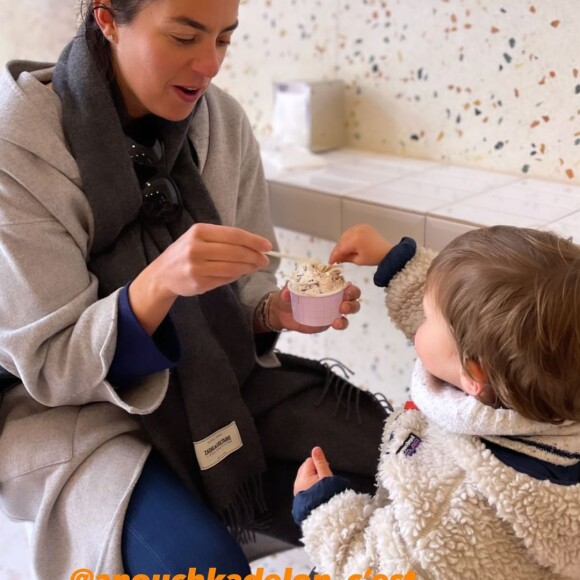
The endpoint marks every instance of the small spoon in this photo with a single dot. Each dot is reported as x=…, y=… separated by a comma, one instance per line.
x=302, y=259
x=291, y=257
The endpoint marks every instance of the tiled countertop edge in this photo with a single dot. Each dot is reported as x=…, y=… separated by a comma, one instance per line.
x=462, y=196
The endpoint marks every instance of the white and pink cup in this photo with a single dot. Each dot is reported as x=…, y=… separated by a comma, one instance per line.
x=316, y=310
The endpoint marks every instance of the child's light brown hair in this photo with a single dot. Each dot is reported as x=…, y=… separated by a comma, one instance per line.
x=511, y=297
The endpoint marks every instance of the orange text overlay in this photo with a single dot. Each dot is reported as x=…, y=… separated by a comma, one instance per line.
x=259, y=574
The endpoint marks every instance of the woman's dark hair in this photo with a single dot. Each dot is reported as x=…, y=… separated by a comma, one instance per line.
x=123, y=11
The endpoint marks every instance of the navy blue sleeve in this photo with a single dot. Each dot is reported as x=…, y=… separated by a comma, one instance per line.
x=395, y=261
x=319, y=493
x=138, y=354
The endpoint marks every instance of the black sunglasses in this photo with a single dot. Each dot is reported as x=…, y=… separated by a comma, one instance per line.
x=161, y=198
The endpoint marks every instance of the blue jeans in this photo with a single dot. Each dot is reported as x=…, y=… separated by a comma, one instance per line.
x=169, y=530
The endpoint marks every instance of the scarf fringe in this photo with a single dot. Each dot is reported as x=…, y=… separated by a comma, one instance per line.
x=384, y=402
x=345, y=391
x=247, y=513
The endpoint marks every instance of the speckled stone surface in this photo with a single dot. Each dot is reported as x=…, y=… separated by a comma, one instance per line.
x=488, y=84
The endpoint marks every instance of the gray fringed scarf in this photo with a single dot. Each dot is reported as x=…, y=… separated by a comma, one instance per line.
x=215, y=335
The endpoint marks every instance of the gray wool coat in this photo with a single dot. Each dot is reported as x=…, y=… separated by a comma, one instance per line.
x=71, y=448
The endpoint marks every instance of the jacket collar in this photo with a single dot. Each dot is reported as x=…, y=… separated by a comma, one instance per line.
x=455, y=411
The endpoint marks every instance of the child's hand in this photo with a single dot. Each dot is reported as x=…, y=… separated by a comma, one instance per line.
x=312, y=471
x=361, y=244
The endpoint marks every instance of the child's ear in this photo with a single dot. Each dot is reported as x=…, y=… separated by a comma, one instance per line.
x=473, y=378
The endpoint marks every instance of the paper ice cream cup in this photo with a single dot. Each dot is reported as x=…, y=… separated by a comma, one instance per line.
x=319, y=310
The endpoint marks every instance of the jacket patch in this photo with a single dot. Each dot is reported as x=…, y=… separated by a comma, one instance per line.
x=410, y=445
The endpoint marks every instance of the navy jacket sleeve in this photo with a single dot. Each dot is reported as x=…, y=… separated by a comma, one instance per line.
x=395, y=261
x=319, y=493
x=138, y=354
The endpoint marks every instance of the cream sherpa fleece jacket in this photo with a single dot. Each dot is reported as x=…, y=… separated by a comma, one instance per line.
x=445, y=507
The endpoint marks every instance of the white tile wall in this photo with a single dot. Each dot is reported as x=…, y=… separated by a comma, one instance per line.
x=448, y=193
x=392, y=223
x=439, y=232
x=322, y=217
x=330, y=180
x=411, y=194
x=473, y=214
x=568, y=227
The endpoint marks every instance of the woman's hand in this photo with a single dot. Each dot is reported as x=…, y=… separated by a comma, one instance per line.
x=281, y=311
x=208, y=256
x=361, y=244
x=205, y=257
x=312, y=471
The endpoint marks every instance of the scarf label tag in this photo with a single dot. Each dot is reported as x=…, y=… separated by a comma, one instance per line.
x=217, y=446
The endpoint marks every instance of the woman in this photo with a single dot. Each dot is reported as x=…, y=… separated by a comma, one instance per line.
x=136, y=302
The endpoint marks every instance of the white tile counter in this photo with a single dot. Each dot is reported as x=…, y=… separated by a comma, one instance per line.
x=429, y=201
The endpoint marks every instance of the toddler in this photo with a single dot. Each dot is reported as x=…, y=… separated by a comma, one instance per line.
x=478, y=475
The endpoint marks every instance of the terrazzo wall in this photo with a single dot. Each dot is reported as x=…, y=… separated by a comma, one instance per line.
x=493, y=84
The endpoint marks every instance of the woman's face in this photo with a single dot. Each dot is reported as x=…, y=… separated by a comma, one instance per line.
x=165, y=59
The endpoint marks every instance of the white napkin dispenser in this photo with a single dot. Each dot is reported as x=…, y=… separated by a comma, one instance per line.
x=309, y=114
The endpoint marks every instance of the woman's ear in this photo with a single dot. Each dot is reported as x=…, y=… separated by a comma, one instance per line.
x=104, y=17
x=473, y=378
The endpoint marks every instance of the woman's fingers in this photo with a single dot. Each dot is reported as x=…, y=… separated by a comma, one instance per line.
x=208, y=256
x=351, y=292
x=229, y=235
x=216, y=265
